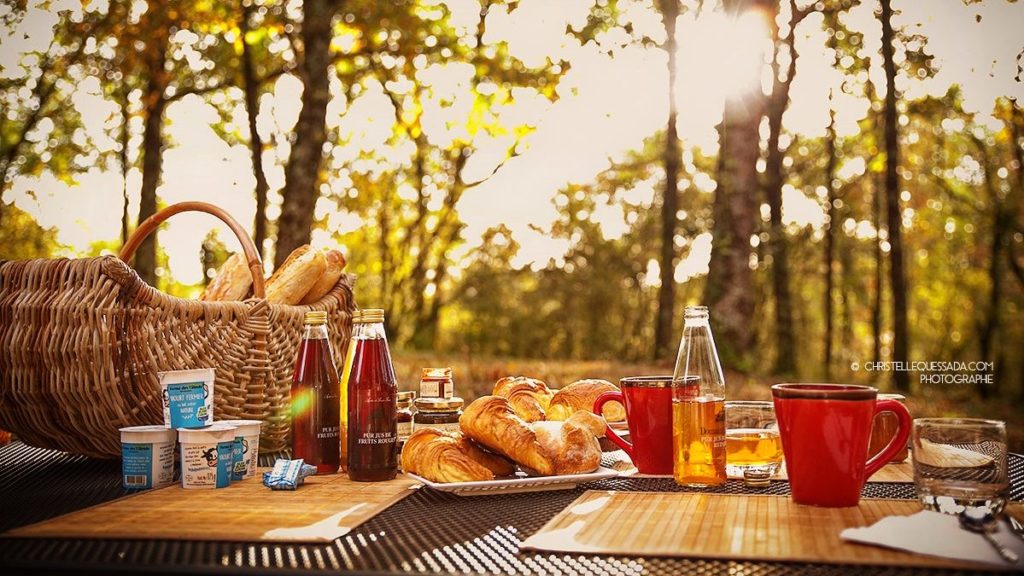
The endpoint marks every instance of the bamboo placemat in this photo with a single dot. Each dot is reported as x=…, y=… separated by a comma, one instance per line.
x=901, y=472
x=724, y=526
x=324, y=508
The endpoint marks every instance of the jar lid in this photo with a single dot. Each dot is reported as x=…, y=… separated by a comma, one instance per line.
x=244, y=427
x=436, y=374
x=368, y=316
x=408, y=396
x=439, y=404
x=315, y=317
x=216, y=432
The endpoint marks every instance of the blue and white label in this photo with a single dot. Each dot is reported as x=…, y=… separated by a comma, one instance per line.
x=145, y=466
x=137, y=466
x=225, y=463
x=188, y=404
x=239, y=449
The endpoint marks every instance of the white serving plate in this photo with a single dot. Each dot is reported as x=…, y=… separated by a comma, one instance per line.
x=521, y=483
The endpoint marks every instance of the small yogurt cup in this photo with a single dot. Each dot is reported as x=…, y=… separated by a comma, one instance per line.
x=187, y=397
x=247, y=448
x=147, y=457
x=206, y=456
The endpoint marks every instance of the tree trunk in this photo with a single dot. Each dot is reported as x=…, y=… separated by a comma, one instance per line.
x=663, y=334
x=897, y=275
x=785, y=359
x=122, y=156
x=154, y=104
x=302, y=174
x=876, y=309
x=251, y=87
x=730, y=287
x=830, y=235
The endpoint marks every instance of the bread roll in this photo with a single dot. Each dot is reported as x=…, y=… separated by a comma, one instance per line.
x=293, y=279
x=580, y=395
x=528, y=397
x=545, y=447
x=233, y=280
x=442, y=456
x=335, y=268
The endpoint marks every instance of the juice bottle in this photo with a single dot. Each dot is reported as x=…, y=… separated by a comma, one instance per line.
x=315, y=398
x=372, y=395
x=698, y=405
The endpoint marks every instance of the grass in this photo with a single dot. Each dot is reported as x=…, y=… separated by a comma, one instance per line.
x=475, y=376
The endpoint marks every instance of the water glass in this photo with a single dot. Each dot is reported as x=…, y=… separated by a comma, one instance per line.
x=753, y=448
x=960, y=464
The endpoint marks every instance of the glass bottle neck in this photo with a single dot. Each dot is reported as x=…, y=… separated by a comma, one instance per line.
x=314, y=332
x=368, y=331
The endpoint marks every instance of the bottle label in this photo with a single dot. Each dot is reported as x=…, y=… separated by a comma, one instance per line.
x=327, y=432
x=444, y=427
x=404, y=431
x=371, y=438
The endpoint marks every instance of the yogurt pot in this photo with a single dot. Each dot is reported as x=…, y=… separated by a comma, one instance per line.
x=247, y=448
x=187, y=397
x=147, y=457
x=206, y=456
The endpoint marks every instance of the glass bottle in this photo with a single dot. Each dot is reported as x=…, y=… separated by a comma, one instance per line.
x=372, y=398
x=315, y=398
x=698, y=405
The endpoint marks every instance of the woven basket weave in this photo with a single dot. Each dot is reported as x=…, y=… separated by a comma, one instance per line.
x=81, y=342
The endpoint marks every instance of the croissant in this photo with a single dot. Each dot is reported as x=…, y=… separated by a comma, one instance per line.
x=441, y=456
x=491, y=422
x=580, y=395
x=528, y=397
x=544, y=447
x=572, y=444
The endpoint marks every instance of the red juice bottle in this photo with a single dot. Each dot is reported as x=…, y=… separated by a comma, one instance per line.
x=372, y=394
x=316, y=405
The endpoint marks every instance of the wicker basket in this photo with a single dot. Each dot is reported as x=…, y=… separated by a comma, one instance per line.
x=81, y=342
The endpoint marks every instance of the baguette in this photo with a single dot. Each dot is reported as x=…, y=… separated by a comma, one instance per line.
x=293, y=279
x=232, y=283
x=335, y=267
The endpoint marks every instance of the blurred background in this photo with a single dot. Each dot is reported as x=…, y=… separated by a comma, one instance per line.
x=541, y=186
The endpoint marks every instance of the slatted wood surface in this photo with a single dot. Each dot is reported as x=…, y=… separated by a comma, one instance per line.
x=324, y=508
x=899, y=472
x=723, y=526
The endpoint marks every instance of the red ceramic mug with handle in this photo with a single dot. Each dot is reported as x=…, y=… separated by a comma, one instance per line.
x=648, y=402
x=825, y=430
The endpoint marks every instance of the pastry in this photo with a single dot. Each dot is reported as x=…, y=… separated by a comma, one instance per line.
x=572, y=445
x=233, y=281
x=581, y=395
x=528, y=397
x=335, y=267
x=441, y=456
x=544, y=448
x=294, y=278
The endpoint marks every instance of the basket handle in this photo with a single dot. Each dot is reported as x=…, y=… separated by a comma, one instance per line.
x=252, y=257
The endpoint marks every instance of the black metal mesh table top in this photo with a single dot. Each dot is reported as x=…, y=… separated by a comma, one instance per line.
x=427, y=532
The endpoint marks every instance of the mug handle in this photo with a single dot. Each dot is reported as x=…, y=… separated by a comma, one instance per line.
x=899, y=440
x=604, y=398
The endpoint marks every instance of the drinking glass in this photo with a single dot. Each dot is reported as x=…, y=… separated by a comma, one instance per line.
x=960, y=464
x=753, y=447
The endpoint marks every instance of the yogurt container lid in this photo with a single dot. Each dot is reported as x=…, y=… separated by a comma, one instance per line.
x=146, y=434
x=216, y=432
x=244, y=427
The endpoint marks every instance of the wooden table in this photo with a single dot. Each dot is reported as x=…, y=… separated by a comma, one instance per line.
x=429, y=532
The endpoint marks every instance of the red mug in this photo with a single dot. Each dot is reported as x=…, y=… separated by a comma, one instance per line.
x=825, y=430
x=648, y=402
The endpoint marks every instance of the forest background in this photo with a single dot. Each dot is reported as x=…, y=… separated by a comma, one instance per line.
x=541, y=187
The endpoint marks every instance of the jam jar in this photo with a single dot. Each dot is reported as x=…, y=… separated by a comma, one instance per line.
x=404, y=417
x=440, y=413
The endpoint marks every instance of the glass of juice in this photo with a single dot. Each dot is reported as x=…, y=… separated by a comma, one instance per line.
x=753, y=447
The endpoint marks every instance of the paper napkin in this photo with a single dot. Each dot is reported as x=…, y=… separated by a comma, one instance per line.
x=937, y=534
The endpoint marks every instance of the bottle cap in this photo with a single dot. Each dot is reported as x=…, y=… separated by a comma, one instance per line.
x=368, y=316
x=439, y=404
x=316, y=317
